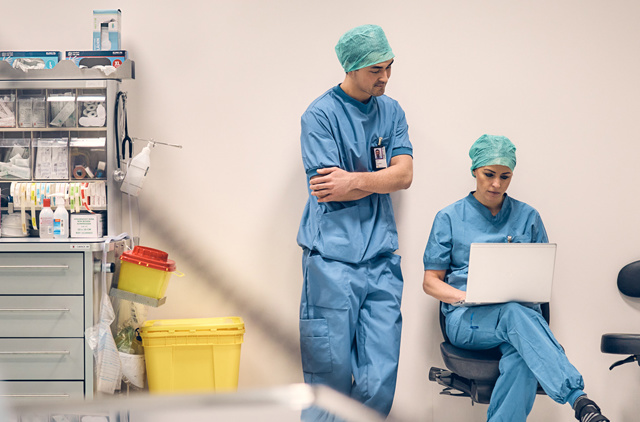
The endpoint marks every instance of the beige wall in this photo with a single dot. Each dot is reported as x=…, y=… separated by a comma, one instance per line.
x=229, y=80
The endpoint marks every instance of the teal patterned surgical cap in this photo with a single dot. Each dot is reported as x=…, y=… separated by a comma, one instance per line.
x=490, y=150
x=363, y=46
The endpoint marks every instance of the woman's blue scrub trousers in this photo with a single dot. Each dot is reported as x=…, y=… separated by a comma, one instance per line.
x=530, y=354
x=350, y=326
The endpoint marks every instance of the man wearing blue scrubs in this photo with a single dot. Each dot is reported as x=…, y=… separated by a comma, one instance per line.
x=355, y=151
x=530, y=352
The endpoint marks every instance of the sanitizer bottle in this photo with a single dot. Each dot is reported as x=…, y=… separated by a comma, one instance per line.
x=60, y=220
x=137, y=170
x=46, y=220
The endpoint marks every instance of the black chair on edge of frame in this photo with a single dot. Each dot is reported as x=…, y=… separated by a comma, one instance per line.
x=625, y=344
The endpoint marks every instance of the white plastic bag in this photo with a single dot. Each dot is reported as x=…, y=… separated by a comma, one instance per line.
x=100, y=337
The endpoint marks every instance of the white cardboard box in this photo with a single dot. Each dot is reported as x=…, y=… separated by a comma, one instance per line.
x=106, y=29
x=86, y=225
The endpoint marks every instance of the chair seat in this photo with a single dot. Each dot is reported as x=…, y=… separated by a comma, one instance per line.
x=620, y=344
x=479, y=365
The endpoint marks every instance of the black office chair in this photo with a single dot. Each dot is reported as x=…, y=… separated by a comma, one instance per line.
x=470, y=373
x=625, y=344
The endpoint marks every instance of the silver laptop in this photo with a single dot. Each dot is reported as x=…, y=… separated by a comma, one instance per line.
x=510, y=272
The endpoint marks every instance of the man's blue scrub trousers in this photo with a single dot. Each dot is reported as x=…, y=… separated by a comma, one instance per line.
x=341, y=302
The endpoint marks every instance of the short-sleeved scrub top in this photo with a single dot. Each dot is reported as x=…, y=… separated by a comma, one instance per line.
x=468, y=221
x=339, y=131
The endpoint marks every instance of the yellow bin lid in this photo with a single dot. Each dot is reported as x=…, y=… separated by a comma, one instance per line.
x=193, y=326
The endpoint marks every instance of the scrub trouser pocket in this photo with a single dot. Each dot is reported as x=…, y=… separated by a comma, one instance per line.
x=315, y=346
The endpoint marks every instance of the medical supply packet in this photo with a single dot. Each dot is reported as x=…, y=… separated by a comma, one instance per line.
x=97, y=58
x=28, y=60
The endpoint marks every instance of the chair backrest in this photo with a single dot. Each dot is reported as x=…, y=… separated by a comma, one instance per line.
x=629, y=279
x=544, y=307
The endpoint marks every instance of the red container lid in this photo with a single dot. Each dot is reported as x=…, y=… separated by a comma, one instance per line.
x=149, y=257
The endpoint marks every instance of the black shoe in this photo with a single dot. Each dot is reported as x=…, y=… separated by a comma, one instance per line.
x=588, y=411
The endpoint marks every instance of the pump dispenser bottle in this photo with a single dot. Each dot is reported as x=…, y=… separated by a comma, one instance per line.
x=46, y=220
x=137, y=170
x=60, y=219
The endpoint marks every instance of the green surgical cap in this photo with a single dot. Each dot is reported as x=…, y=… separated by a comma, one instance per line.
x=490, y=150
x=363, y=46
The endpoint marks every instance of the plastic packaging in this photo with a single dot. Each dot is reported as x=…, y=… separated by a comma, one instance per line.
x=46, y=220
x=60, y=219
x=130, y=317
x=127, y=341
x=12, y=225
x=136, y=172
x=108, y=369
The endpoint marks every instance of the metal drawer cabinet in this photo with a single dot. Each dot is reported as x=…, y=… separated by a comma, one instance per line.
x=50, y=289
x=47, y=296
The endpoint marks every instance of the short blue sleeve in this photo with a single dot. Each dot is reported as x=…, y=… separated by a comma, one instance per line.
x=402, y=144
x=538, y=232
x=437, y=254
x=319, y=148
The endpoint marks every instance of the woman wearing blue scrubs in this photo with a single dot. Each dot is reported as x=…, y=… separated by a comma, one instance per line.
x=530, y=352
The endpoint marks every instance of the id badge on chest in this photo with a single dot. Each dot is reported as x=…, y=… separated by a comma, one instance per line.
x=379, y=156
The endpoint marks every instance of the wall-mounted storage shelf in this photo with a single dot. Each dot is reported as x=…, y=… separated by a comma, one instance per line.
x=67, y=70
x=57, y=130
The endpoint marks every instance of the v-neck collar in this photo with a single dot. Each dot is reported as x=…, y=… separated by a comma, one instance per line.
x=484, y=211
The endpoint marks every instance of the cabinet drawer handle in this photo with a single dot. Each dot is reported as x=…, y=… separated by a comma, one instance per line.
x=35, y=310
x=34, y=267
x=35, y=395
x=36, y=352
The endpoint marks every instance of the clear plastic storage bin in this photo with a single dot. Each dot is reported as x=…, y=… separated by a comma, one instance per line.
x=7, y=108
x=15, y=156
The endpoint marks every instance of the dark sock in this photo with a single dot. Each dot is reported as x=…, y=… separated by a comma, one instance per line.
x=588, y=411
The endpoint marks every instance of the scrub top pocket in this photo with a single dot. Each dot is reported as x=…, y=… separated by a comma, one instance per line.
x=519, y=239
x=340, y=235
x=380, y=153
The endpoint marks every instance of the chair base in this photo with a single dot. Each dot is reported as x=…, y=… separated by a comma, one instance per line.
x=458, y=386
